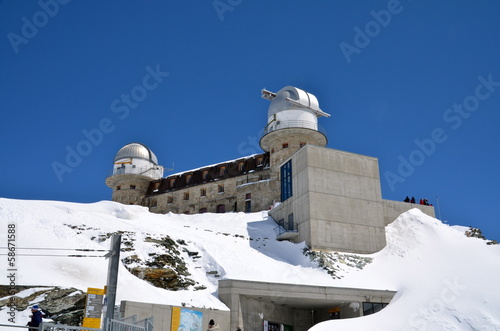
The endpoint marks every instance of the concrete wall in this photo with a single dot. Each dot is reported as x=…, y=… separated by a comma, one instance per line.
x=336, y=200
x=162, y=314
x=392, y=209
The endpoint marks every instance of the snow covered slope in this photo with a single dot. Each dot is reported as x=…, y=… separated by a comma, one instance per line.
x=445, y=280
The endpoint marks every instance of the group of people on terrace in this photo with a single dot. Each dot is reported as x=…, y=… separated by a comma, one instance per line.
x=422, y=201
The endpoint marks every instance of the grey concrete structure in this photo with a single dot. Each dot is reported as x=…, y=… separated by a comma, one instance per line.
x=299, y=306
x=162, y=314
x=251, y=303
x=336, y=202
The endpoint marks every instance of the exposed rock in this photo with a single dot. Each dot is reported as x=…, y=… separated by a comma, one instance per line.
x=63, y=305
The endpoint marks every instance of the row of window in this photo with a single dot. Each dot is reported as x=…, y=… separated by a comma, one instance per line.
x=222, y=171
x=221, y=208
x=203, y=193
x=119, y=187
x=285, y=145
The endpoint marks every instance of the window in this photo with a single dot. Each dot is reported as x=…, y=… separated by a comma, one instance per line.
x=188, y=179
x=203, y=192
x=186, y=195
x=220, y=188
x=259, y=162
x=203, y=210
x=285, y=145
x=221, y=208
x=204, y=174
x=248, y=196
x=372, y=307
x=241, y=166
x=290, y=222
x=286, y=181
x=132, y=187
x=118, y=187
x=170, y=199
x=172, y=182
x=248, y=206
x=222, y=171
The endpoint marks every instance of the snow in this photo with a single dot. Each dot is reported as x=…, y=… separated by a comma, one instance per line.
x=445, y=280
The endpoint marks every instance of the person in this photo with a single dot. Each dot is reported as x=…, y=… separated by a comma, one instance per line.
x=412, y=200
x=212, y=325
x=36, y=318
x=407, y=199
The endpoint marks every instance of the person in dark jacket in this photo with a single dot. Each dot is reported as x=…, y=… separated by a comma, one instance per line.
x=412, y=200
x=36, y=317
x=407, y=199
x=212, y=325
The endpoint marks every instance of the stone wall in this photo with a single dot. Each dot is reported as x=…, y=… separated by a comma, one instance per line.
x=258, y=189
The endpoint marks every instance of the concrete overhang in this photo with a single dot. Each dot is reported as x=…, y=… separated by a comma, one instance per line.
x=301, y=296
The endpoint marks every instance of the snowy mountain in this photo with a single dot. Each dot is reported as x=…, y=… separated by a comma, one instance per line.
x=445, y=280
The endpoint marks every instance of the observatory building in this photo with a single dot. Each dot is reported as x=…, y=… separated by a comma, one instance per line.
x=328, y=198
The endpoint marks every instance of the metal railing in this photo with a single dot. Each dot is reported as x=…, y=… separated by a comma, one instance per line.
x=285, y=124
x=115, y=325
x=62, y=327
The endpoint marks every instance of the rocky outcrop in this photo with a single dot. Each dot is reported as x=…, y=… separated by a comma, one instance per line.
x=62, y=305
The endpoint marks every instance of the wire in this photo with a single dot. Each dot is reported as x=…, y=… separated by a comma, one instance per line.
x=73, y=255
x=61, y=249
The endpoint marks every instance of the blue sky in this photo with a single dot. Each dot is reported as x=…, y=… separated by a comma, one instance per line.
x=414, y=83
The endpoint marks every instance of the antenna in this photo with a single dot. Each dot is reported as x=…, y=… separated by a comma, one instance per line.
x=438, y=208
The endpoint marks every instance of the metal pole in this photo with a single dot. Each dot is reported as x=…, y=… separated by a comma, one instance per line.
x=438, y=208
x=114, y=262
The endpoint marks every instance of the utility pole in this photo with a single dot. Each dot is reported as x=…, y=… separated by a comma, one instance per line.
x=114, y=262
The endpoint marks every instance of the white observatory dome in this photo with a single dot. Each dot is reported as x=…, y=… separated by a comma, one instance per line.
x=138, y=159
x=292, y=107
x=137, y=151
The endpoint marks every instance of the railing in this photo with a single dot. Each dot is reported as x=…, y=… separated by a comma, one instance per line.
x=8, y=327
x=153, y=172
x=115, y=325
x=60, y=327
x=278, y=125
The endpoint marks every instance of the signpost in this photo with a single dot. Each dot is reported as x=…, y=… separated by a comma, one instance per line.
x=93, y=308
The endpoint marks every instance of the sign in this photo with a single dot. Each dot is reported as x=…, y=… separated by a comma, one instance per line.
x=93, y=308
x=186, y=320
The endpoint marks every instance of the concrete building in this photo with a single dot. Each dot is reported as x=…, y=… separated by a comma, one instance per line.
x=329, y=199
x=257, y=306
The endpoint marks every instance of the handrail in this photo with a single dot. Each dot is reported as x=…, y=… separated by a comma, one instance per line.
x=288, y=124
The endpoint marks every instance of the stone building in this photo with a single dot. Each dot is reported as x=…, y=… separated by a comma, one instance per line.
x=328, y=198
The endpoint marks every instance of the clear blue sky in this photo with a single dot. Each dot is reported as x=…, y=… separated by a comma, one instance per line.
x=414, y=83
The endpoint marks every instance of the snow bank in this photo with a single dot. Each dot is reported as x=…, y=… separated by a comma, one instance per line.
x=445, y=280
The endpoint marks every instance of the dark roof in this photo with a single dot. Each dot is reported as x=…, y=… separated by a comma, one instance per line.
x=209, y=174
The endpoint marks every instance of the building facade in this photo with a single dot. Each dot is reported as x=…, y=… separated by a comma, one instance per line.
x=328, y=198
